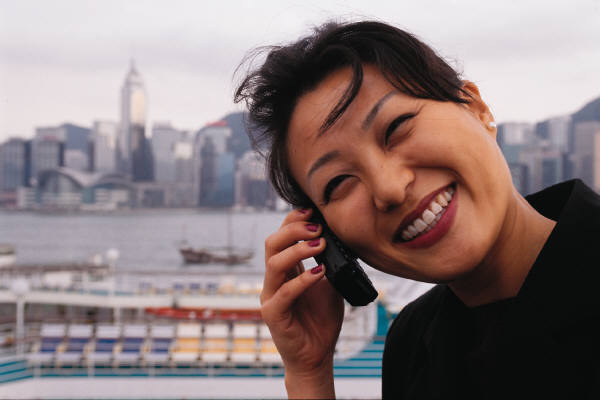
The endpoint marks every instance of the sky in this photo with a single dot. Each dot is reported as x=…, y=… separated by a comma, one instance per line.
x=66, y=60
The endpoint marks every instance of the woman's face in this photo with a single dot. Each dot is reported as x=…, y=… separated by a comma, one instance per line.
x=377, y=172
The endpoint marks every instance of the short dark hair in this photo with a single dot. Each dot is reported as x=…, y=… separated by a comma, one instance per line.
x=272, y=90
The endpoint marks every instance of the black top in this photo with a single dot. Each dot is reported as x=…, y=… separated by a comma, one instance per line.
x=543, y=343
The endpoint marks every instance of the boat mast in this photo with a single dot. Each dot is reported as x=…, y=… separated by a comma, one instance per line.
x=229, y=234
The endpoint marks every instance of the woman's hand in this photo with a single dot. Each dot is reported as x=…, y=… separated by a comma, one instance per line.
x=303, y=311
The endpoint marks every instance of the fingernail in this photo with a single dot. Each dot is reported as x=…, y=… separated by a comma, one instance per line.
x=317, y=269
x=314, y=242
x=312, y=227
x=303, y=210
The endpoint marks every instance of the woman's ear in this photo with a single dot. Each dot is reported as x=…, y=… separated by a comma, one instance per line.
x=478, y=108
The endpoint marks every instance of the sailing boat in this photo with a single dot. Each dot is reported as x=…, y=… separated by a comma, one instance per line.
x=229, y=254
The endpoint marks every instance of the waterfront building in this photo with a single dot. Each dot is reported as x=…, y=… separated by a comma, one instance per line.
x=207, y=176
x=183, y=153
x=210, y=143
x=15, y=163
x=586, y=152
x=66, y=145
x=134, y=153
x=174, y=163
x=537, y=154
x=515, y=139
x=164, y=137
x=223, y=196
x=77, y=147
x=104, y=146
x=183, y=189
x=47, y=151
x=170, y=145
x=216, y=176
x=70, y=189
x=589, y=112
x=252, y=188
x=15, y=159
x=554, y=132
x=26, y=198
x=150, y=195
x=219, y=132
x=544, y=166
x=552, y=145
x=239, y=140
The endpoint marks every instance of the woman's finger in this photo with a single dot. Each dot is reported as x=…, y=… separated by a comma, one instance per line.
x=280, y=303
x=298, y=214
x=290, y=234
x=286, y=264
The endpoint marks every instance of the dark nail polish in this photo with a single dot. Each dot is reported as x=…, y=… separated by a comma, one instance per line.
x=303, y=210
x=312, y=227
x=317, y=269
x=314, y=242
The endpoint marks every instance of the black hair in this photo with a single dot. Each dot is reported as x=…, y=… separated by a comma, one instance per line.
x=272, y=90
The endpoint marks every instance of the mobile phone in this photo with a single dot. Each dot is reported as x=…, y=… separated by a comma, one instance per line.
x=342, y=269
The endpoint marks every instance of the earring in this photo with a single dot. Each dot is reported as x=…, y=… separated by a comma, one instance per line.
x=492, y=124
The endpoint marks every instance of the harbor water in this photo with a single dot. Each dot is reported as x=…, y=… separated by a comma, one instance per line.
x=145, y=239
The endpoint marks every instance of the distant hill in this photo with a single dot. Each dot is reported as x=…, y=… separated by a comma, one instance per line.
x=589, y=112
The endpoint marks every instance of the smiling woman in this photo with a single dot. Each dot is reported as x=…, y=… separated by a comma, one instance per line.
x=367, y=126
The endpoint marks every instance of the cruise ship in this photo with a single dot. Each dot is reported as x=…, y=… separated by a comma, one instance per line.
x=87, y=331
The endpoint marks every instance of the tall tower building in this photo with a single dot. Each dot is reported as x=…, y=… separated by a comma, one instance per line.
x=47, y=149
x=134, y=154
x=164, y=141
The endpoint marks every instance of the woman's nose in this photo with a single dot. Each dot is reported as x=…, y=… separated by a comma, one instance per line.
x=390, y=184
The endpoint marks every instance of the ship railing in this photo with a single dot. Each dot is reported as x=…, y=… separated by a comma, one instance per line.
x=89, y=277
x=208, y=347
x=137, y=287
x=17, y=367
x=215, y=355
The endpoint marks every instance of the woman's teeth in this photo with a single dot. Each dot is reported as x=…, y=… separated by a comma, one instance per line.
x=430, y=216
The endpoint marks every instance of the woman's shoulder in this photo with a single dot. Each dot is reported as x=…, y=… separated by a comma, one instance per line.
x=416, y=315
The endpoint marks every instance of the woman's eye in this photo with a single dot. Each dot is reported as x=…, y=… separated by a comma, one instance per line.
x=394, y=125
x=331, y=185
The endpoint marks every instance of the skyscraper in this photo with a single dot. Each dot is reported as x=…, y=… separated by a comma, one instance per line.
x=104, y=137
x=252, y=186
x=134, y=154
x=65, y=145
x=15, y=159
x=47, y=150
x=164, y=141
x=515, y=140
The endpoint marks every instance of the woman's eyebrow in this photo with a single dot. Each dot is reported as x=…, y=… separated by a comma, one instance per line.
x=324, y=159
x=373, y=113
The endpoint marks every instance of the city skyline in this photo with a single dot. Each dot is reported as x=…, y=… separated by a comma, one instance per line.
x=532, y=61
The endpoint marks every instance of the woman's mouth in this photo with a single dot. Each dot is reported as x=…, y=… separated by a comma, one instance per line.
x=432, y=223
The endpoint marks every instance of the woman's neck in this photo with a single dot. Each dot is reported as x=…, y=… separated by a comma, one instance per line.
x=504, y=269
